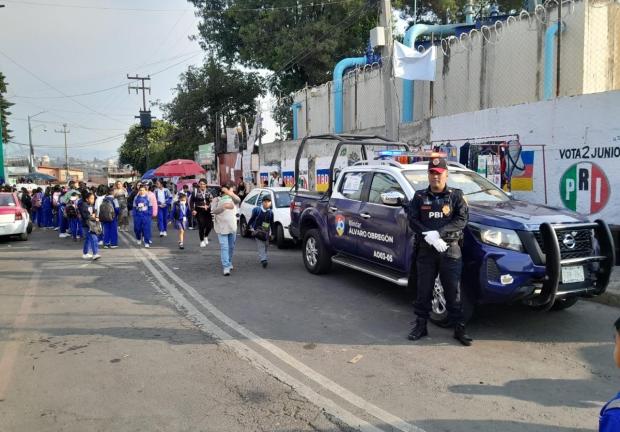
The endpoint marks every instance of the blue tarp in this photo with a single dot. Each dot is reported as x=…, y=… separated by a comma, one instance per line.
x=149, y=175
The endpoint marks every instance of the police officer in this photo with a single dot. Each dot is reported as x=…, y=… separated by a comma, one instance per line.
x=438, y=214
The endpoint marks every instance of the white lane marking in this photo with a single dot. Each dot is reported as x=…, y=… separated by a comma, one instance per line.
x=388, y=418
x=245, y=352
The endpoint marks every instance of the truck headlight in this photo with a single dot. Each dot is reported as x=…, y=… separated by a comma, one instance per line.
x=500, y=237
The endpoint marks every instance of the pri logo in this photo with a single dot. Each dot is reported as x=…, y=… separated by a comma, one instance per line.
x=584, y=188
x=340, y=223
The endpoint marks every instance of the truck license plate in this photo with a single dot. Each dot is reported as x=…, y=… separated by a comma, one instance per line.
x=572, y=274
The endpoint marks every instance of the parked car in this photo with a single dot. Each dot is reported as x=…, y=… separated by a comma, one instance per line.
x=281, y=201
x=14, y=219
x=513, y=251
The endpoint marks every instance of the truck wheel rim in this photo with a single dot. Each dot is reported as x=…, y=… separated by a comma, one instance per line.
x=311, y=252
x=439, y=300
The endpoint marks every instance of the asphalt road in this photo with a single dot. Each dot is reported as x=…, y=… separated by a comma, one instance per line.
x=159, y=340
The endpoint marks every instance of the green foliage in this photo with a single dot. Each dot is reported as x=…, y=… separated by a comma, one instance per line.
x=159, y=142
x=208, y=95
x=4, y=112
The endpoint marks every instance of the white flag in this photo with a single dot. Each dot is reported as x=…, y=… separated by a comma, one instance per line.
x=410, y=64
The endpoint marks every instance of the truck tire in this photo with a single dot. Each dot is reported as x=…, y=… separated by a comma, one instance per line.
x=439, y=313
x=243, y=227
x=565, y=303
x=280, y=240
x=316, y=257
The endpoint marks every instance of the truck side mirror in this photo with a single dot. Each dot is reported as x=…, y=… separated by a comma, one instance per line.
x=392, y=198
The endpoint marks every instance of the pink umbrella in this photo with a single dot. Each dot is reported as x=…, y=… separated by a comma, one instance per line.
x=179, y=168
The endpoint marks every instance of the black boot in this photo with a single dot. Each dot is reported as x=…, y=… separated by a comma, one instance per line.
x=419, y=330
x=461, y=336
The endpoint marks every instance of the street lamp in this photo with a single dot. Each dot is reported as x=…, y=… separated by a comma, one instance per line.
x=31, y=157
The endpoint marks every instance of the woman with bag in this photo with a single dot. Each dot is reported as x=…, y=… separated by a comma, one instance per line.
x=92, y=227
x=224, y=210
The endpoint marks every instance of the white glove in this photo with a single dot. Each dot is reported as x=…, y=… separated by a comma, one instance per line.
x=431, y=237
x=440, y=245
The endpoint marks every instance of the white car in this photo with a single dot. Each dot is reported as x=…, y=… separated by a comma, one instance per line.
x=280, y=204
x=14, y=219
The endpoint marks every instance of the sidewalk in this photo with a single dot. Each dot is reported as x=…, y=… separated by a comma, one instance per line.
x=612, y=295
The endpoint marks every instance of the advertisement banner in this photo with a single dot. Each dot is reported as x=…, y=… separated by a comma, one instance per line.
x=206, y=154
x=322, y=171
x=288, y=173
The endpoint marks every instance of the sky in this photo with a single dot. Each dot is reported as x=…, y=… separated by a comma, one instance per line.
x=54, y=51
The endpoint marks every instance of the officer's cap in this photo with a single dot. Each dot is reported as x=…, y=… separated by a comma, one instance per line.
x=437, y=164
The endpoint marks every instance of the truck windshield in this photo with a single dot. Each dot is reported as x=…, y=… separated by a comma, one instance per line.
x=475, y=187
x=283, y=199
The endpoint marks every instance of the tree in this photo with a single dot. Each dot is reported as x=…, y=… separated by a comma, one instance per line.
x=210, y=98
x=161, y=146
x=4, y=112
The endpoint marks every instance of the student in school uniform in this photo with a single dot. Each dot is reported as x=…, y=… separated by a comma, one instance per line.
x=188, y=196
x=180, y=215
x=143, y=211
x=72, y=215
x=87, y=213
x=37, y=203
x=164, y=199
x=46, y=209
x=109, y=210
x=55, y=204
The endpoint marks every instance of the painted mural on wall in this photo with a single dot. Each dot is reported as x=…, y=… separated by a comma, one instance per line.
x=522, y=179
x=584, y=188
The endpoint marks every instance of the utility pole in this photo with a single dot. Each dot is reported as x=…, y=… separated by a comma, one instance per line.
x=31, y=157
x=145, y=115
x=3, y=179
x=385, y=21
x=65, y=131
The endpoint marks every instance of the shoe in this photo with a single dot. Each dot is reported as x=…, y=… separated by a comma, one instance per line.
x=101, y=243
x=165, y=234
x=206, y=241
x=55, y=228
x=63, y=235
x=419, y=330
x=138, y=242
x=264, y=264
x=106, y=246
x=147, y=245
x=461, y=336
x=87, y=256
x=203, y=244
x=78, y=237
x=231, y=268
x=113, y=247
x=161, y=233
x=96, y=257
x=190, y=228
x=226, y=272
x=181, y=246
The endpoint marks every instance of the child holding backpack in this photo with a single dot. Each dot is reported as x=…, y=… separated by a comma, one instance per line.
x=180, y=215
x=260, y=226
x=108, y=215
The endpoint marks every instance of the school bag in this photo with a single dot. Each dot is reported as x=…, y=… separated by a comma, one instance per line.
x=71, y=211
x=261, y=231
x=106, y=211
x=36, y=200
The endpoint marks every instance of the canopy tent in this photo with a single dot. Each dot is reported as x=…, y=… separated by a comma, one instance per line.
x=179, y=168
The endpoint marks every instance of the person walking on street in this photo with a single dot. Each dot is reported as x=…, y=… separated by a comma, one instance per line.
x=275, y=180
x=89, y=224
x=438, y=216
x=260, y=224
x=109, y=210
x=225, y=214
x=188, y=197
x=201, y=210
x=241, y=189
x=180, y=215
x=121, y=196
x=164, y=199
x=143, y=211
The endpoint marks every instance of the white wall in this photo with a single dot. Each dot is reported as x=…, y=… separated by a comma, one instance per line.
x=591, y=121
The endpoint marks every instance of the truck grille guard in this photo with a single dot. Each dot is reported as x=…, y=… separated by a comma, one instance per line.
x=554, y=260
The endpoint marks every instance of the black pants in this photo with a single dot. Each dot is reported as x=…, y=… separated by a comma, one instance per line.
x=205, y=223
x=448, y=266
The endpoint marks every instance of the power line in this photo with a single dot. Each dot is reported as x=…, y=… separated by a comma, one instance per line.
x=59, y=5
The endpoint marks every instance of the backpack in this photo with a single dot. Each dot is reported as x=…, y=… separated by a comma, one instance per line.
x=71, y=211
x=262, y=229
x=106, y=211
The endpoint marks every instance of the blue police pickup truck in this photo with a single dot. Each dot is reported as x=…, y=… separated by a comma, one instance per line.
x=513, y=251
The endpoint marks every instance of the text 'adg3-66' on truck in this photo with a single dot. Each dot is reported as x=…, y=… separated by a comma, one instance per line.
x=513, y=251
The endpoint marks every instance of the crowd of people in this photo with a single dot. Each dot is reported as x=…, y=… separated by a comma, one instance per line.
x=96, y=214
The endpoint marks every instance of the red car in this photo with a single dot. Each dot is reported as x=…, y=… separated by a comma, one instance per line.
x=14, y=219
